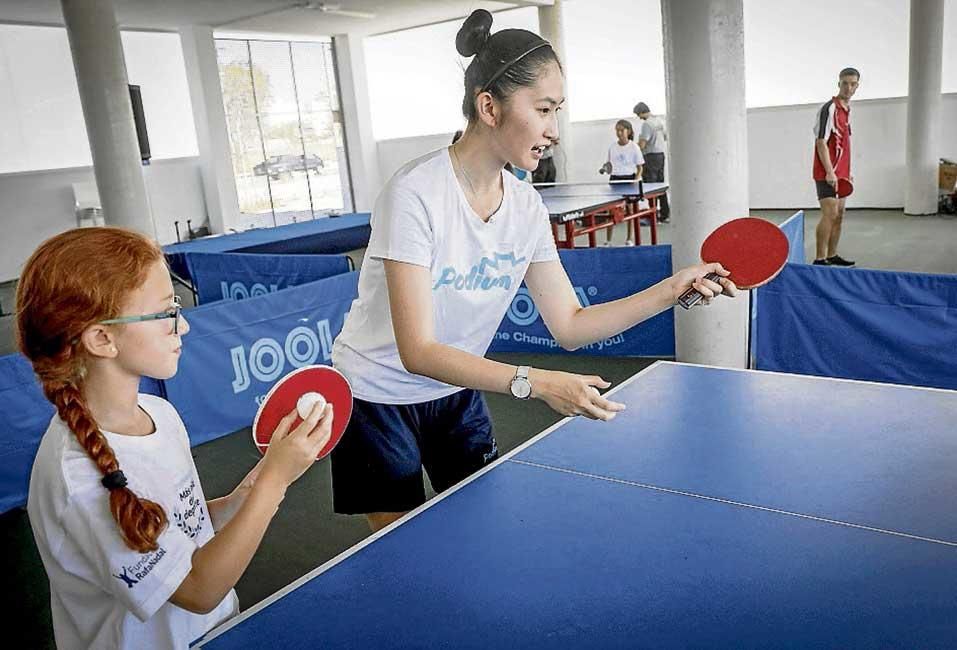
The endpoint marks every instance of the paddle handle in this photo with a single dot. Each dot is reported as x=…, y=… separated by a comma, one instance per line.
x=692, y=296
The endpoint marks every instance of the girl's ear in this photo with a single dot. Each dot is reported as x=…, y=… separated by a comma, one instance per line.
x=488, y=109
x=98, y=341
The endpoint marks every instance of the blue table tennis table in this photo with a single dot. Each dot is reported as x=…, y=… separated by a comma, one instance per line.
x=585, y=208
x=723, y=508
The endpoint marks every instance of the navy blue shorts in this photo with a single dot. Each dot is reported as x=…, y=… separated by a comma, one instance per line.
x=377, y=466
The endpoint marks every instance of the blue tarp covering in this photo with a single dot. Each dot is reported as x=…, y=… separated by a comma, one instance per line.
x=598, y=275
x=236, y=276
x=25, y=414
x=861, y=324
x=236, y=350
x=793, y=229
x=328, y=235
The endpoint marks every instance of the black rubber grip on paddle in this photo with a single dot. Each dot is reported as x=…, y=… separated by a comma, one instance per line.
x=692, y=296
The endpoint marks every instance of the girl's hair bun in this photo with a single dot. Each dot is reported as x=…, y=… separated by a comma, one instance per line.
x=474, y=33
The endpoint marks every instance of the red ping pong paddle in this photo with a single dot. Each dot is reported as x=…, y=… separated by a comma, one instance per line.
x=753, y=250
x=844, y=187
x=299, y=390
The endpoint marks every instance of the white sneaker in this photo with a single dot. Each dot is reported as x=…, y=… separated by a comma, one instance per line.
x=628, y=242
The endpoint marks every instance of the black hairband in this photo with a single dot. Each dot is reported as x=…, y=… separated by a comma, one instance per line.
x=114, y=480
x=501, y=71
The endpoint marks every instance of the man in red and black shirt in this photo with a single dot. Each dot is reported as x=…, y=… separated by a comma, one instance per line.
x=832, y=160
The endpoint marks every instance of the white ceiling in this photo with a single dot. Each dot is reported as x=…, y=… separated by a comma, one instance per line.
x=234, y=16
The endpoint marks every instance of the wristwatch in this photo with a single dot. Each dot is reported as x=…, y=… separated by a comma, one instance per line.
x=520, y=387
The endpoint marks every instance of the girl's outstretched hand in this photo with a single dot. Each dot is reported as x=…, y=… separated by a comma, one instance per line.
x=694, y=276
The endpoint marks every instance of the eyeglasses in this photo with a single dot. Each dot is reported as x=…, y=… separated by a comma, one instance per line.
x=173, y=312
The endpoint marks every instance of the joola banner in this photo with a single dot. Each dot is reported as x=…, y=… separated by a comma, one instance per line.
x=235, y=351
x=598, y=275
x=237, y=276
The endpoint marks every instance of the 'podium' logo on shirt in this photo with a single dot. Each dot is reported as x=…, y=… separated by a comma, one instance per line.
x=480, y=277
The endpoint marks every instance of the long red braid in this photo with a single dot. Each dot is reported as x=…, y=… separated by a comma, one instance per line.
x=72, y=281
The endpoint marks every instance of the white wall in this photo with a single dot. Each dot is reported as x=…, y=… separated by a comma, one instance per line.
x=175, y=189
x=395, y=153
x=780, y=147
x=41, y=119
x=38, y=205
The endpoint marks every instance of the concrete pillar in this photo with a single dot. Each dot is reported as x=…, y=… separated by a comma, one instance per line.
x=354, y=99
x=552, y=29
x=105, y=97
x=923, y=105
x=212, y=133
x=707, y=131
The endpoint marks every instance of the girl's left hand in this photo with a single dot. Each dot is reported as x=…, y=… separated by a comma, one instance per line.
x=693, y=276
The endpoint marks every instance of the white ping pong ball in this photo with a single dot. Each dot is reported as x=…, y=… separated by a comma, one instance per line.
x=306, y=402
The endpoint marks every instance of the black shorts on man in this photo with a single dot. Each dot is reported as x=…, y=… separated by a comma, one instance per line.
x=825, y=190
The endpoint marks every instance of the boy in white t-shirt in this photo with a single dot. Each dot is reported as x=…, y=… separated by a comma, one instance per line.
x=453, y=237
x=131, y=553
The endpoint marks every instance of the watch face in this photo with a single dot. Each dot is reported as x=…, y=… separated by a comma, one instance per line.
x=521, y=388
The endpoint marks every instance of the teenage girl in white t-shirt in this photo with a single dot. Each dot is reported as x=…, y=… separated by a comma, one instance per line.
x=624, y=163
x=453, y=237
x=624, y=156
x=123, y=528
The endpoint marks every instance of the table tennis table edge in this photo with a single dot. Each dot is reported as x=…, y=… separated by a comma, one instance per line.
x=545, y=186
x=352, y=550
x=578, y=213
x=866, y=382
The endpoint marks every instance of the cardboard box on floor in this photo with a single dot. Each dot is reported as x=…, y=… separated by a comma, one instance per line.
x=947, y=176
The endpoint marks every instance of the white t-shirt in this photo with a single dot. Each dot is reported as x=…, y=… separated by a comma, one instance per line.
x=102, y=593
x=422, y=217
x=653, y=132
x=625, y=158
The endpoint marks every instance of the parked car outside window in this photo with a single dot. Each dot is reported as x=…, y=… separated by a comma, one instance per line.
x=287, y=164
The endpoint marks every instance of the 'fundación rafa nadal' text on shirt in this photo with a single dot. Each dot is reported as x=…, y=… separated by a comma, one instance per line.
x=422, y=217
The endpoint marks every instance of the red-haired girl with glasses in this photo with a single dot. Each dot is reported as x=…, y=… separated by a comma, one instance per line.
x=135, y=555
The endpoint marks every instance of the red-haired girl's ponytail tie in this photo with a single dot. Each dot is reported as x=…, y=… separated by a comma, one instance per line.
x=114, y=480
